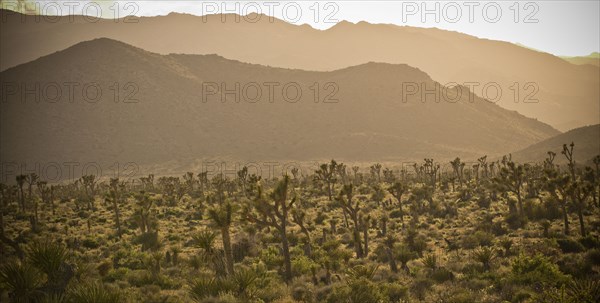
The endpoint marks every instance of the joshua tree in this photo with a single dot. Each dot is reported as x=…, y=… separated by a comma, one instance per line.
x=557, y=185
x=326, y=174
x=458, y=168
x=580, y=190
x=376, y=171
x=511, y=178
x=222, y=217
x=397, y=190
x=20, y=183
x=143, y=214
x=89, y=184
x=45, y=192
x=189, y=181
x=568, y=152
x=430, y=168
x=115, y=198
x=341, y=171
x=242, y=175
x=299, y=217
x=389, y=249
x=355, y=170
x=31, y=180
x=275, y=214
x=352, y=208
x=364, y=223
x=484, y=166
x=148, y=182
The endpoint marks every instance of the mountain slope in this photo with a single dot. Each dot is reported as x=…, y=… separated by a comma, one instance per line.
x=567, y=95
x=587, y=146
x=591, y=59
x=171, y=120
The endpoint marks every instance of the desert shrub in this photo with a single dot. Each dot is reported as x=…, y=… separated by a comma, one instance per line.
x=590, y=242
x=419, y=287
x=103, y=268
x=498, y=229
x=395, y=292
x=484, y=202
x=515, y=221
x=529, y=270
x=303, y=292
x=593, y=256
x=90, y=242
x=576, y=265
x=339, y=293
x=302, y=265
x=364, y=291
x=442, y=275
x=114, y=275
x=271, y=257
x=478, y=238
x=568, y=245
x=149, y=241
x=396, y=213
x=461, y=296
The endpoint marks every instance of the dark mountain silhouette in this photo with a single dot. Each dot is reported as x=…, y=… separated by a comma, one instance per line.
x=567, y=95
x=587, y=146
x=369, y=121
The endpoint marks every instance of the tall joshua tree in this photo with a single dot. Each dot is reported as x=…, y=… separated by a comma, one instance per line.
x=115, y=198
x=511, y=178
x=397, y=190
x=89, y=184
x=20, y=184
x=352, y=208
x=557, y=185
x=580, y=188
x=458, y=167
x=274, y=212
x=326, y=174
x=222, y=217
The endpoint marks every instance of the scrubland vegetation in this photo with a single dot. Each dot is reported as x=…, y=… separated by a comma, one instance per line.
x=497, y=231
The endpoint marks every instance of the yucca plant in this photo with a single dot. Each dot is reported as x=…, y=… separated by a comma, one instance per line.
x=204, y=288
x=22, y=281
x=506, y=244
x=485, y=255
x=584, y=291
x=48, y=257
x=222, y=218
x=404, y=255
x=430, y=261
x=362, y=271
x=205, y=240
x=243, y=282
x=94, y=293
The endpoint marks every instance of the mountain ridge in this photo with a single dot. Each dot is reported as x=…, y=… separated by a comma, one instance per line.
x=171, y=121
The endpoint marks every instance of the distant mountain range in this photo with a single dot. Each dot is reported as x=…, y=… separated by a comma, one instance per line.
x=370, y=121
x=587, y=146
x=559, y=93
x=591, y=59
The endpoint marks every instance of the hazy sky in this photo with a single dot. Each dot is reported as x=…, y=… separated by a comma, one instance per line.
x=559, y=27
